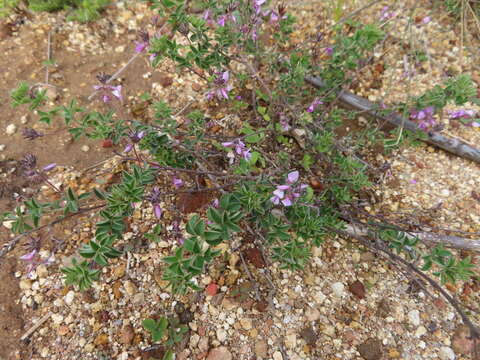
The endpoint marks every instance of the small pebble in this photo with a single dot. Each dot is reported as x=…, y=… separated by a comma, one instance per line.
x=2, y=147
x=85, y=148
x=446, y=353
x=414, y=317
x=11, y=129
x=338, y=289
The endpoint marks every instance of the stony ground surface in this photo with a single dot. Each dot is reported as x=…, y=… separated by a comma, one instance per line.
x=347, y=304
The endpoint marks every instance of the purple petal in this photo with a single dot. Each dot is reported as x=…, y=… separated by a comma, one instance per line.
x=157, y=211
x=178, y=183
x=225, y=76
x=275, y=200
x=50, y=167
x=128, y=148
x=117, y=92
x=29, y=256
x=292, y=177
x=227, y=144
x=283, y=187
x=287, y=202
x=279, y=193
x=224, y=93
x=140, y=47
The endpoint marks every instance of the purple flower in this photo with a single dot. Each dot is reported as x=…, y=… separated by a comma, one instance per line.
x=50, y=167
x=157, y=210
x=425, y=117
x=216, y=203
x=107, y=91
x=222, y=88
x=143, y=43
x=461, y=114
x=223, y=19
x=385, y=14
x=177, y=182
x=154, y=198
x=475, y=124
x=29, y=256
x=128, y=148
x=257, y=5
x=314, y=105
x=426, y=19
x=329, y=50
x=288, y=193
x=239, y=148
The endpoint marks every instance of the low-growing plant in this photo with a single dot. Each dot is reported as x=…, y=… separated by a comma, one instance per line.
x=264, y=179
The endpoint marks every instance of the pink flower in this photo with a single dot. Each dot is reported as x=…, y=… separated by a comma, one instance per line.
x=426, y=19
x=314, y=105
x=143, y=43
x=50, y=167
x=222, y=88
x=461, y=114
x=178, y=183
x=257, y=5
x=29, y=256
x=239, y=148
x=288, y=193
x=157, y=210
x=424, y=117
x=106, y=92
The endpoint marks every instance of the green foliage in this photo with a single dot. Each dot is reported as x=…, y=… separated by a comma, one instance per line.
x=198, y=249
x=347, y=53
x=447, y=267
x=80, y=274
x=169, y=329
x=24, y=94
x=443, y=263
x=458, y=90
x=83, y=10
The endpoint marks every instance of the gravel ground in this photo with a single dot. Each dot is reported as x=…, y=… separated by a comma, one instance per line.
x=347, y=304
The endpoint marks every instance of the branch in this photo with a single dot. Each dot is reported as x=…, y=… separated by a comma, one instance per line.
x=428, y=237
x=451, y=145
x=12, y=243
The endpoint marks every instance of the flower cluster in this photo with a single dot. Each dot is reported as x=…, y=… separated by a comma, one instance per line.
x=464, y=114
x=239, y=148
x=154, y=197
x=107, y=92
x=221, y=86
x=425, y=117
x=135, y=138
x=33, y=174
x=33, y=258
x=288, y=193
x=385, y=14
x=314, y=105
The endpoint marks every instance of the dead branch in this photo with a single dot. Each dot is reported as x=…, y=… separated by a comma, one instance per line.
x=455, y=242
x=36, y=326
x=352, y=101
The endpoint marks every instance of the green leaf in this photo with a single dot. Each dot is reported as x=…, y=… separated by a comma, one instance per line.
x=149, y=324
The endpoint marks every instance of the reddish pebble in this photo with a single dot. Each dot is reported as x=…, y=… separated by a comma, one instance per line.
x=211, y=289
x=107, y=143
